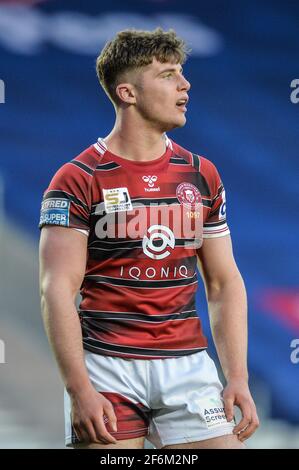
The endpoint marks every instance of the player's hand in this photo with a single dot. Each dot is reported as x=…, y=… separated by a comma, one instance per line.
x=237, y=393
x=90, y=412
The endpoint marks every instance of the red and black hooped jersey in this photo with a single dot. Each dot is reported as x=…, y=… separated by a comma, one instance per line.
x=145, y=222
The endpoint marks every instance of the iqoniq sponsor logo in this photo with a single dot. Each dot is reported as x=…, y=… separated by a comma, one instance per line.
x=160, y=239
x=165, y=272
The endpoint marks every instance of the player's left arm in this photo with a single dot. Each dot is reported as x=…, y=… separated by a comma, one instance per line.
x=227, y=305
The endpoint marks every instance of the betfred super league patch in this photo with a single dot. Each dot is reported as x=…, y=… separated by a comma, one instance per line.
x=55, y=211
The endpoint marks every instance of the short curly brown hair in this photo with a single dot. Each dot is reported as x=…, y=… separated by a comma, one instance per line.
x=131, y=49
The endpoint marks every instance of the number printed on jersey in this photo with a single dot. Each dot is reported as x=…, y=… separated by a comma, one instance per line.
x=117, y=200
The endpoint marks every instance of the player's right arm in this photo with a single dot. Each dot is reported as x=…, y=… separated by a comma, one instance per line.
x=62, y=268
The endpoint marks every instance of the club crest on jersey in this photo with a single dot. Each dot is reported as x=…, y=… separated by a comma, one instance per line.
x=117, y=200
x=151, y=180
x=188, y=194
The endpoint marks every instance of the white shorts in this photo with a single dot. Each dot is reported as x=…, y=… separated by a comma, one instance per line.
x=169, y=401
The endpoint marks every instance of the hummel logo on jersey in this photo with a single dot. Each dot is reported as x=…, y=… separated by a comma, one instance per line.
x=161, y=237
x=150, y=180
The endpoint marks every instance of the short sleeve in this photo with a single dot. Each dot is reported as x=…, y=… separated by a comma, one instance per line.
x=66, y=201
x=216, y=224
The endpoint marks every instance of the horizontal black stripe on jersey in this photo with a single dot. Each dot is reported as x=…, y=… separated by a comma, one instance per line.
x=137, y=202
x=98, y=210
x=168, y=201
x=149, y=202
x=96, y=325
x=76, y=219
x=103, y=255
x=117, y=243
x=95, y=345
x=154, y=202
x=215, y=224
x=107, y=166
x=82, y=166
x=54, y=193
x=176, y=160
x=95, y=315
x=141, y=283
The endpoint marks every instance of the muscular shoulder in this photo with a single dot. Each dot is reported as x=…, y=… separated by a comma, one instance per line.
x=67, y=200
x=200, y=164
x=81, y=166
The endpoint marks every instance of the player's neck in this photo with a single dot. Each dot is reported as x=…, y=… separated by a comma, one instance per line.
x=135, y=141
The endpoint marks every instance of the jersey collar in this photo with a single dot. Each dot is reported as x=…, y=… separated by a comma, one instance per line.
x=101, y=145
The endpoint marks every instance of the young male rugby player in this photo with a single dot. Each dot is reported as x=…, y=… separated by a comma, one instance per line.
x=126, y=222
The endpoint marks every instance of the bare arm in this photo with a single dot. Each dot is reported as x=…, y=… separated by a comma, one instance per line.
x=62, y=268
x=227, y=304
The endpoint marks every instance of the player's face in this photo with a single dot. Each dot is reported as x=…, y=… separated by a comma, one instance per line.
x=162, y=95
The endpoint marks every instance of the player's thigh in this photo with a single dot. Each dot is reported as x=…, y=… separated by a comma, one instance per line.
x=136, y=443
x=229, y=441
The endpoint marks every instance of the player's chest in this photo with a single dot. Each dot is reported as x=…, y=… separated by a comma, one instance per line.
x=119, y=190
x=130, y=205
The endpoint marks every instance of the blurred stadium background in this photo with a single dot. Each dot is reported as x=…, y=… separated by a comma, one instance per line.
x=245, y=55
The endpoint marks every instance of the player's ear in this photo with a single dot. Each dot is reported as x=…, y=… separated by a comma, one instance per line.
x=126, y=93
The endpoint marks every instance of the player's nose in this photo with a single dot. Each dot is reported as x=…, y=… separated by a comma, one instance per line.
x=184, y=84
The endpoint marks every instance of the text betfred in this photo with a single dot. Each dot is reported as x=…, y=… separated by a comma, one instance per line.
x=55, y=204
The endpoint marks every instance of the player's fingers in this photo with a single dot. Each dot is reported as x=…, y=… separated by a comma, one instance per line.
x=110, y=415
x=228, y=408
x=242, y=424
x=252, y=427
x=81, y=433
x=77, y=432
x=101, y=432
x=90, y=431
x=246, y=417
